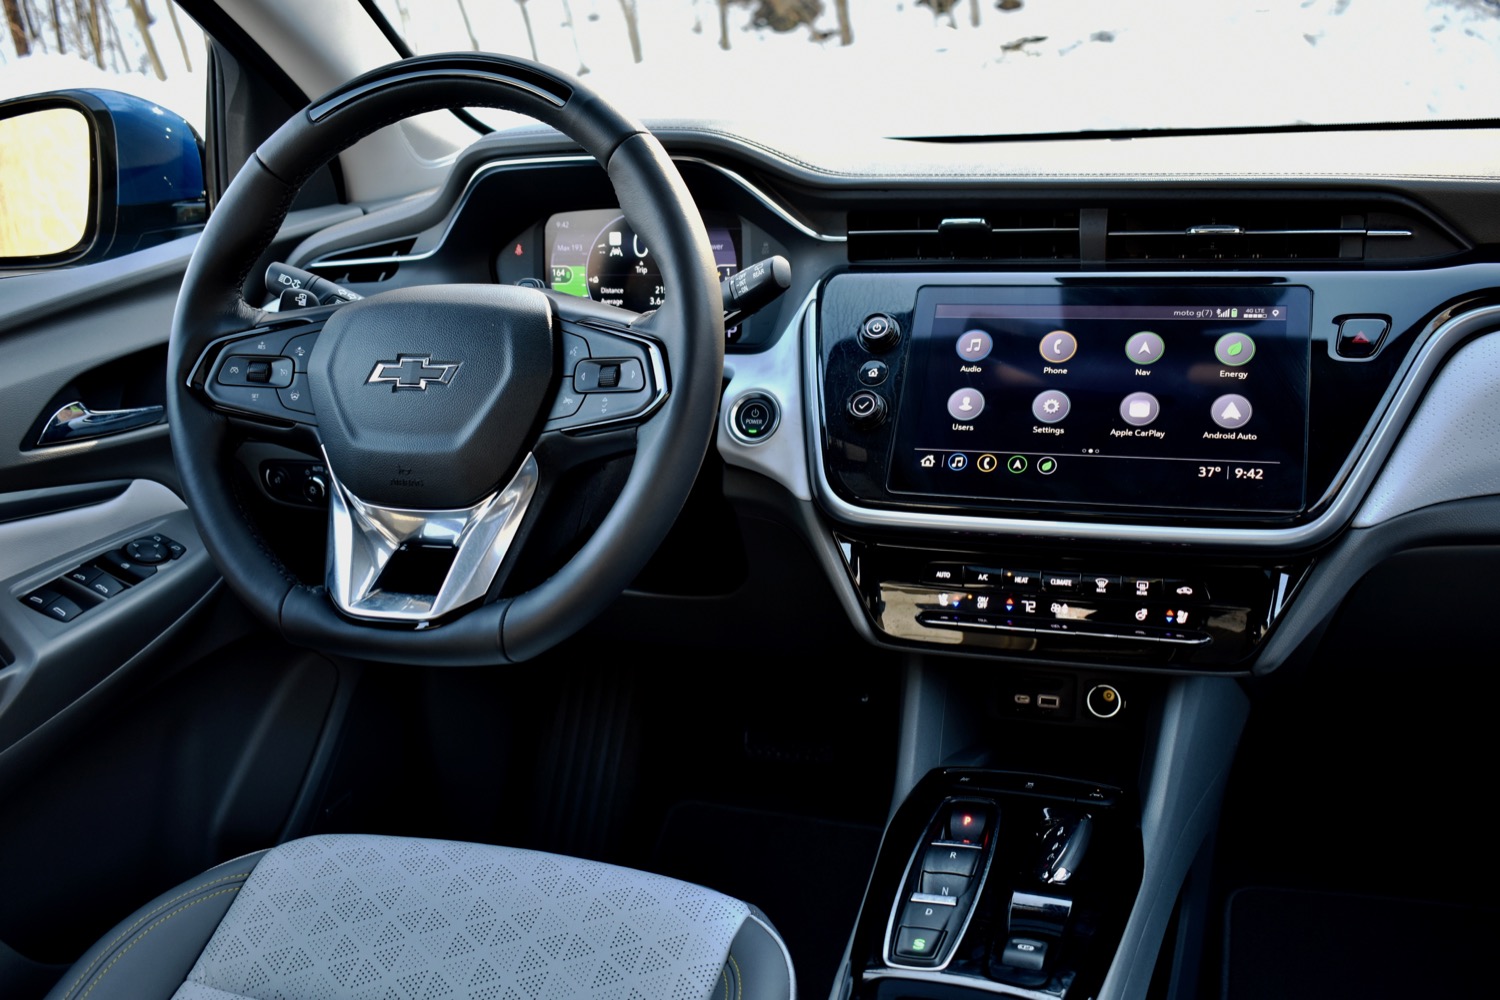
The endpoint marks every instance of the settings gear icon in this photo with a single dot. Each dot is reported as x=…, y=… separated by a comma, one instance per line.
x=1051, y=406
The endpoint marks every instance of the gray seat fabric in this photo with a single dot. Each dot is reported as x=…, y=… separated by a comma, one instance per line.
x=349, y=916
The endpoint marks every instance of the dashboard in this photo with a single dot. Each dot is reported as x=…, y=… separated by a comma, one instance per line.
x=1119, y=421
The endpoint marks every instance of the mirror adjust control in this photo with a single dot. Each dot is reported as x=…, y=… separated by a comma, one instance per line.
x=147, y=551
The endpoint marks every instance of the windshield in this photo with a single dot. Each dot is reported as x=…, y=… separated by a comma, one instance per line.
x=998, y=67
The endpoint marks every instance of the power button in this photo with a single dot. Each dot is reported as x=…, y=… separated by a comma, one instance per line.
x=755, y=417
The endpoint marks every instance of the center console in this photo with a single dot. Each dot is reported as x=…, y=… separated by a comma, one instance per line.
x=1113, y=469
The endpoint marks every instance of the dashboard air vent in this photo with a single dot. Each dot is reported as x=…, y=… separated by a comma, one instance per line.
x=363, y=265
x=1250, y=231
x=971, y=233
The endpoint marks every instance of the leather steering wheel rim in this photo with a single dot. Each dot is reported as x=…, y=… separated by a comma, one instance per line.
x=669, y=446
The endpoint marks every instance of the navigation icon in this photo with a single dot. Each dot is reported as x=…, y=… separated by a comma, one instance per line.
x=1231, y=412
x=1058, y=346
x=1145, y=347
x=1016, y=463
x=975, y=345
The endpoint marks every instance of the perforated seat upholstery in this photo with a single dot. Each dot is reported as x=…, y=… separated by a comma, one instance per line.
x=353, y=916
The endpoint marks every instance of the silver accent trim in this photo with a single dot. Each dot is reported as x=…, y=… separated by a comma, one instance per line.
x=967, y=982
x=362, y=537
x=1238, y=231
x=658, y=373
x=1023, y=630
x=76, y=422
x=332, y=258
x=928, y=899
x=734, y=412
x=1354, y=481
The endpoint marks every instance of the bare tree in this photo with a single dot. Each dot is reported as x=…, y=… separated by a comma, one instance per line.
x=530, y=36
x=573, y=30
x=16, y=21
x=115, y=45
x=143, y=22
x=86, y=19
x=57, y=28
x=974, y=13
x=724, y=25
x=468, y=26
x=187, y=60
x=846, y=31
x=633, y=26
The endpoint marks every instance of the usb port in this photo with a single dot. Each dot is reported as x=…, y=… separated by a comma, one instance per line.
x=1023, y=699
x=1048, y=701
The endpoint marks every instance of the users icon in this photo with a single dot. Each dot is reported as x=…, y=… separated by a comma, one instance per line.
x=965, y=404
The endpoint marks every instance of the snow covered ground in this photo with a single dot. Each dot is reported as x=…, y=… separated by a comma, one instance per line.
x=1051, y=65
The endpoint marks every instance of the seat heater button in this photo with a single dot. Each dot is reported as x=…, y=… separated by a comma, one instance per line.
x=918, y=942
x=1024, y=953
x=943, y=884
x=943, y=859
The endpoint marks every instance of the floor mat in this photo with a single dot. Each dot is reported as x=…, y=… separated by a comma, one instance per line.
x=807, y=874
x=1289, y=944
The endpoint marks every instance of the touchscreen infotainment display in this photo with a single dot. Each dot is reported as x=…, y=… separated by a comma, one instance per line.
x=1187, y=399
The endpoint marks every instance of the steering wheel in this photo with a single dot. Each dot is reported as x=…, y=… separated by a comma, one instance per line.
x=447, y=415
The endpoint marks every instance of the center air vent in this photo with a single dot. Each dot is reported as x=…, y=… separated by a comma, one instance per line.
x=1252, y=231
x=964, y=234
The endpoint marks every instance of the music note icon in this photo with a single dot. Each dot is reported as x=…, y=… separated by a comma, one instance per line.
x=974, y=345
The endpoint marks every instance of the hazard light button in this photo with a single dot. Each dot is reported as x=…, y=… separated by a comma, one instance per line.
x=1361, y=336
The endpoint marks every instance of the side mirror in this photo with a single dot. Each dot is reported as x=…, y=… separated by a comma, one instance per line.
x=90, y=174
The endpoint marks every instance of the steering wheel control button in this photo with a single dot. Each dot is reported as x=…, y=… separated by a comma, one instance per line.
x=575, y=349
x=1145, y=347
x=610, y=375
x=918, y=942
x=873, y=372
x=297, y=395
x=1231, y=411
x=1234, y=349
x=866, y=408
x=975, y=345
x=965, y=404
x=147, y=551
x=567, y=402
x=1104, y=701
x=951, y=859
x=1051, y=406
x=300, y=349
x=755, y=418
x=879, y=333
x=264, y=343
x=1361, y=336
x=1058, y=346
x=123, y=566
x=1139, y=409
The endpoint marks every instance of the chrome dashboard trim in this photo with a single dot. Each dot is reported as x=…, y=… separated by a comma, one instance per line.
x=951, y=979
x=1352, y=487
x=332, y=259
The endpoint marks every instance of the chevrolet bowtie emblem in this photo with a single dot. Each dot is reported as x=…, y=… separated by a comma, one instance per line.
x=411, y=371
